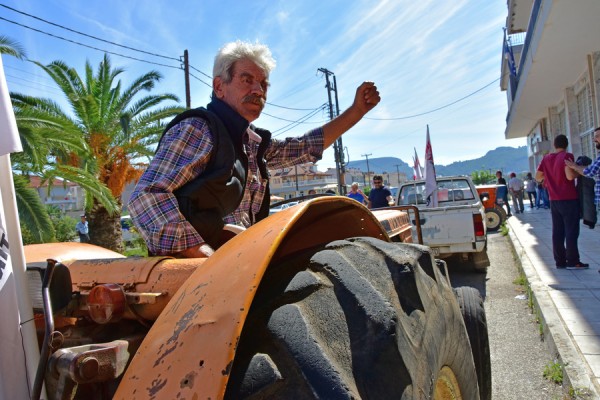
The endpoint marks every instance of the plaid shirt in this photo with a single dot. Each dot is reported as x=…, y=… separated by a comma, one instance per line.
x=183, y=156
x=593, y=171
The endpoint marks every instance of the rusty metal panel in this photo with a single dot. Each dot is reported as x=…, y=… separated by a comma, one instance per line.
x=66, y=252
x=125, y=271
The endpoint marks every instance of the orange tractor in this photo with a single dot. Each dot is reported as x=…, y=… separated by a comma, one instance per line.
x=321, y=300
x=492, y=199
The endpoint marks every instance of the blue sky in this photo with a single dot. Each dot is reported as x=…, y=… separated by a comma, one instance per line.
x=422, y=55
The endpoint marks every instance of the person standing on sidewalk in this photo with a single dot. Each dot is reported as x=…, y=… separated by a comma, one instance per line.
x=564, y=204
x=590, y=171
x=530, y=186
x=515, y=186
x=502, y=181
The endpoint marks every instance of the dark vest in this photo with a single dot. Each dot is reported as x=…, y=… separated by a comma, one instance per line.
x=218, y=191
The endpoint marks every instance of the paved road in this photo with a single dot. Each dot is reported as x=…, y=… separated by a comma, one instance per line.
x=518, y=354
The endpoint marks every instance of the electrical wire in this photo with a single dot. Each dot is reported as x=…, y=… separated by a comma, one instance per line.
x=302, y=120
x=88, y=46
x=196, y=69
x=85, y=34
x=436, y=109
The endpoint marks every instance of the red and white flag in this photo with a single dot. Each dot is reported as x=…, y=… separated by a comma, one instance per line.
x=19, y=353
x=417, y=167
x=430, y=178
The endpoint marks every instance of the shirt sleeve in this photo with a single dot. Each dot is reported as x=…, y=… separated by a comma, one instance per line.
x=593, y=170
x=182, y=156
x=298, y=150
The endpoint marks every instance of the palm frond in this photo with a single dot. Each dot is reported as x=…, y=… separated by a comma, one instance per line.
x=11, y=47
x=32, y=211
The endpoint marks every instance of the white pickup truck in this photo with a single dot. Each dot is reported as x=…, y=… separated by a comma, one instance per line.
x=457, y=225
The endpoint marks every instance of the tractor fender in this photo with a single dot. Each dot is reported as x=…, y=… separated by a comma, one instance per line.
x=189, y=351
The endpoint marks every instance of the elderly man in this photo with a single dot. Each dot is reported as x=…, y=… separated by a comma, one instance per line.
x=357, y=194
x=210, y=167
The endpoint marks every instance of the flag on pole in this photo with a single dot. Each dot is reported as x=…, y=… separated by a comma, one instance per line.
x=430, y=178
x=19, y=353
x=417, y=166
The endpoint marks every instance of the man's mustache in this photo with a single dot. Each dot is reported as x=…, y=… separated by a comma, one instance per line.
x=251, y=98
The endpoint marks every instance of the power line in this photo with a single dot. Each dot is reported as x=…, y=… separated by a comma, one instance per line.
x=293, y=124
x=85, y=45
x=313, y=112
x=85, y=34
x=114, y=53
x=436, y=109
x=195, y=77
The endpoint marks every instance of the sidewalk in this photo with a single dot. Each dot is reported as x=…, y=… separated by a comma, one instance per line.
x=568, y=302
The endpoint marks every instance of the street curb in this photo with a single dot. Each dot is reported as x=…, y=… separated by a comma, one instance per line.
x=576, y=372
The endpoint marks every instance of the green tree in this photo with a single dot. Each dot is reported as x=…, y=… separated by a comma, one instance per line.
x=35, y=223
x=108, y=129
x=482, y=177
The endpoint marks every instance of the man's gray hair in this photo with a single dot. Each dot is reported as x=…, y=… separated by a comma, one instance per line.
x=238, y=50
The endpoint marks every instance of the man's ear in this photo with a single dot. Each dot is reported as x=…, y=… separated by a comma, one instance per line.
x=218, y=86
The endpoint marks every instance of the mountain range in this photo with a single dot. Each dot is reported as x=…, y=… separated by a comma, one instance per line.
x=507, y=159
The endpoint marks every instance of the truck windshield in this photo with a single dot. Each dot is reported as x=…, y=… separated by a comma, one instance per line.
x=448, y=191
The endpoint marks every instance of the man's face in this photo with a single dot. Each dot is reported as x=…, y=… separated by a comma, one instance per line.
x=597, y=139
x=247, y=91
x=377, y=183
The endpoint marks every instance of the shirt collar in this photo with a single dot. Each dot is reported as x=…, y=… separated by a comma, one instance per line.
x=234, y=122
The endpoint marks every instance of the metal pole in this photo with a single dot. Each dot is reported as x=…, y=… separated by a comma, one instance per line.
x=337, y=145
x=186, y=69
x=368, y=170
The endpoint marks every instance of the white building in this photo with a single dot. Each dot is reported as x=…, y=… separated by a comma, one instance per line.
x=554, y=87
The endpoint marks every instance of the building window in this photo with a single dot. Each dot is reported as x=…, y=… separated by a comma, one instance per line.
x=584, y=111
x=585, y=122
x=588, y=148
x=562, y=123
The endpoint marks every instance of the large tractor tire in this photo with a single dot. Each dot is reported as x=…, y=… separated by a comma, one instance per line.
x=357, y=319
x=473, y=312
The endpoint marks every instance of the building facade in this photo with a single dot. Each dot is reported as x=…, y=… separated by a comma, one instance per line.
x=551, y=74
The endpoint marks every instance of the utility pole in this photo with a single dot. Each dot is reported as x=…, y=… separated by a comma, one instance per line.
x=186, y=70
x=398, y=172
x=368, y=170
x=338, y=148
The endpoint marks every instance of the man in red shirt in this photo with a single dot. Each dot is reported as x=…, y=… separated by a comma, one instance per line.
x=564, y=204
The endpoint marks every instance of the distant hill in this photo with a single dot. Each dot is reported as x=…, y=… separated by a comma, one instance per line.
x=381, y=165
x=506, y=159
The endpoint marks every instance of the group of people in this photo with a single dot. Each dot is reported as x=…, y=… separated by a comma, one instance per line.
x=379, y=196
x=536, y=192
x=572, y=192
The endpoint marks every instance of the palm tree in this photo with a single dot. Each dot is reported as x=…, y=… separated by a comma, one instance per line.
x=32, y=212
x=101, y=139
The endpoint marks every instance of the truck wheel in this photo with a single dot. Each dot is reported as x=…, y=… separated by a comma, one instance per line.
x=493, y=219
x=359, y=318
x=473, y=312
